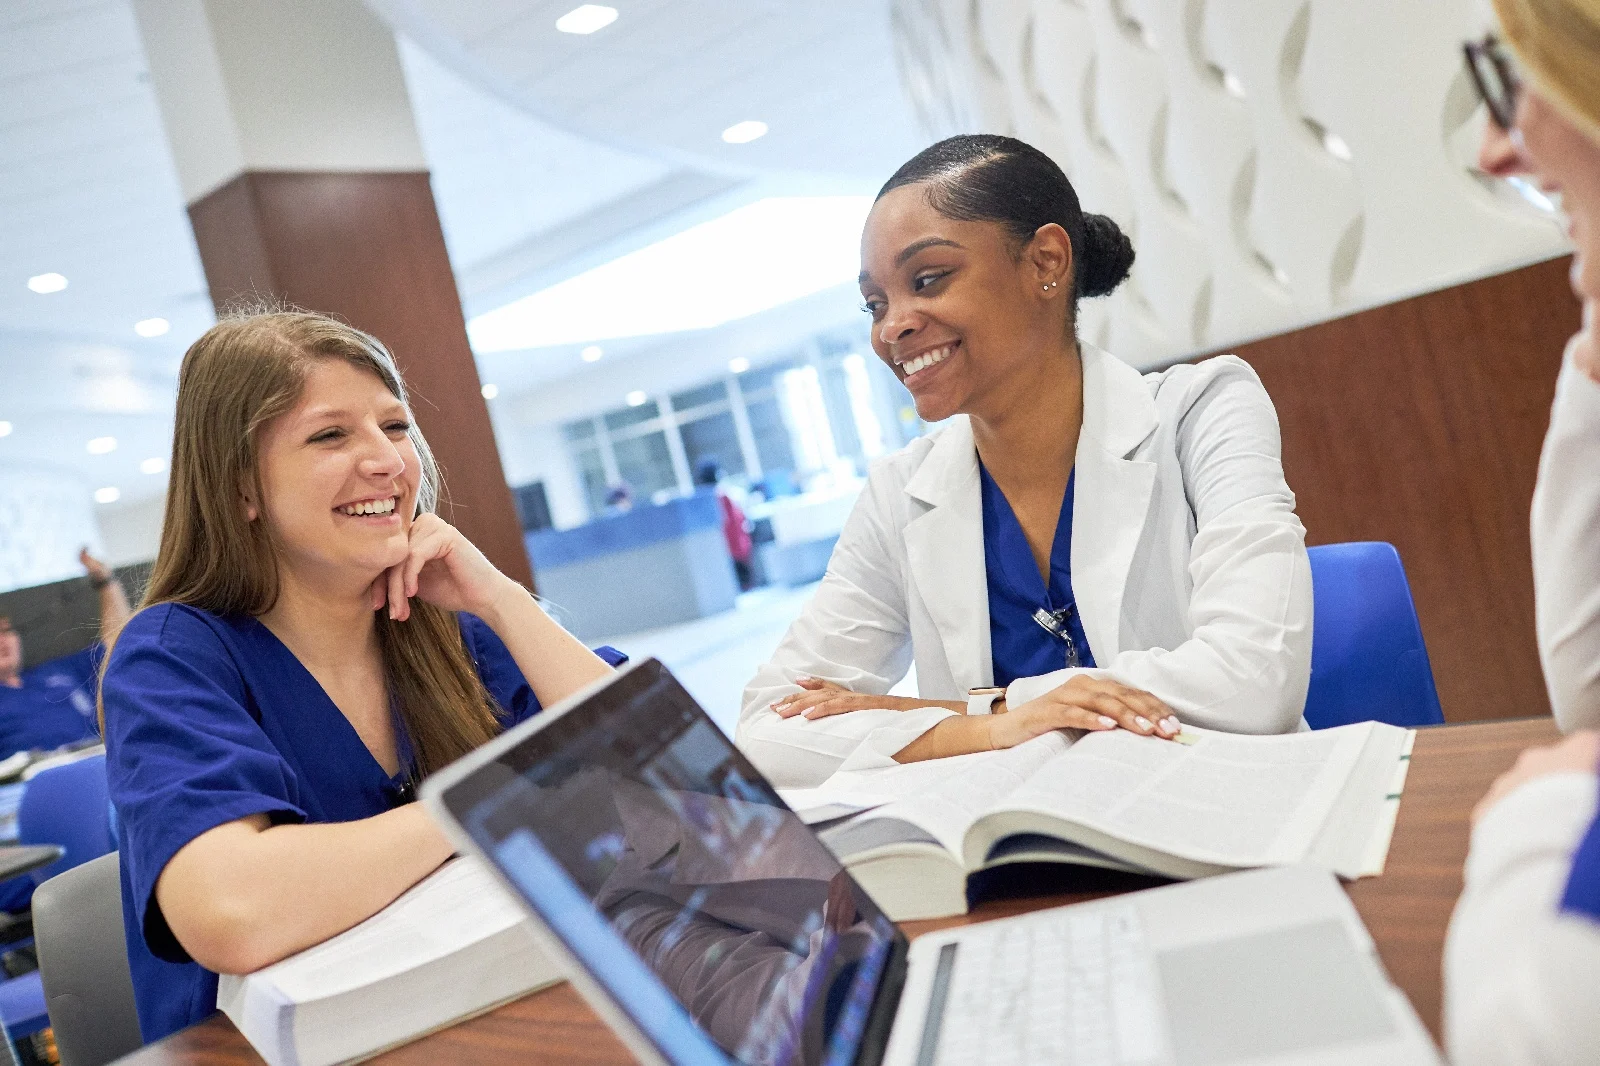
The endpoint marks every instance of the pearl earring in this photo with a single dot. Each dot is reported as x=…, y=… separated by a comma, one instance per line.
x=1050, y=286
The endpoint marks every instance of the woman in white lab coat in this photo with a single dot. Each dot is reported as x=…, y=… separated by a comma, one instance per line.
x=1522, y=958
x=1080, y=546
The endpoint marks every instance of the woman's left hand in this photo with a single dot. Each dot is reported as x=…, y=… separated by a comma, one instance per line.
x=824, y=698
x=442, y=567
x=1578, y=753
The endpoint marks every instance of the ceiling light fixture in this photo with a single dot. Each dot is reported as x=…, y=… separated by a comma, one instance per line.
x=109, y=494
x=151, y=327
x=637, y=398
x=738, y=364
x=592, y=353
x=5, y=429
x=696, y=279
x=153, y=465
x=744, y=132
x=587, y=19
x=101, y=445
x=491, y=391
x=43, y=283
x=1336, y=145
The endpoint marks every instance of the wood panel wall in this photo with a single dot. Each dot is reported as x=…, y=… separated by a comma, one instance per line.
x=1420, y=423
x=368, y=247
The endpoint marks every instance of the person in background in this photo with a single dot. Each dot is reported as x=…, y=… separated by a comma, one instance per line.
x=735, y=526
x=313, y=642
x=52, y=705
x=619, y=498
x=1082, y=546
x=1522, y=957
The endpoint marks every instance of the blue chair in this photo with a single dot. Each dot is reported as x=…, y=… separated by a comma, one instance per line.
x=66, y=805
x=1368, y=660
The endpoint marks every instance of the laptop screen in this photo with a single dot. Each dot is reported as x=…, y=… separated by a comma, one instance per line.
x=668, y=866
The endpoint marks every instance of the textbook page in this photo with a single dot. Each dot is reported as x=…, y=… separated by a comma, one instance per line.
x=1216, y=798
x=945, y=804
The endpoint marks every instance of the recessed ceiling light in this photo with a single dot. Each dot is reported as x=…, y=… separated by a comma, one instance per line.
x=744, y=132
x=101, y=445
x=1232, y=84
x=151, y=327
x=739, y=364
x=109, y=494
x=592, y=353
x=491, y=391
x=5, y=429
x=637, y=398
x=153, y=465
x=47, y=283
x=587, y=19
x=1336, y=146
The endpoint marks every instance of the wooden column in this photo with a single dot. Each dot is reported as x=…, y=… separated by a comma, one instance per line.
x=368, y=248
x=1420, y=423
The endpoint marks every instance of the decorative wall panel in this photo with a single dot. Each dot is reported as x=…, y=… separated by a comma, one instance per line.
x=1274, y=163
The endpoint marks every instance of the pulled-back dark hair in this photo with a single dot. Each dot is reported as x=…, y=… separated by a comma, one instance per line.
x=982, y=177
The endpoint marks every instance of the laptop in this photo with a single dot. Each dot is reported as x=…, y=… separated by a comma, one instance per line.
x=705, y=923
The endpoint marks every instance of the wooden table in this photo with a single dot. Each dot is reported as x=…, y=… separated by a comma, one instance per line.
x=1407, y=910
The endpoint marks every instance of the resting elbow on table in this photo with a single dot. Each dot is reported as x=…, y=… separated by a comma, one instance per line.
x=248, y=894
x=1519, y=973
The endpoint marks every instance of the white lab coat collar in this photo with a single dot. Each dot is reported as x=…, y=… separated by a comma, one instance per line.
x=944, y=545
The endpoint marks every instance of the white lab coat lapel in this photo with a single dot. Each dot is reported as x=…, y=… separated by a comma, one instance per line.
x=1111, y=496
x=944, y=546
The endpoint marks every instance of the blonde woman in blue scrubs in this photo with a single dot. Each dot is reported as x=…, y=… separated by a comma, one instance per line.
x=1082, y=546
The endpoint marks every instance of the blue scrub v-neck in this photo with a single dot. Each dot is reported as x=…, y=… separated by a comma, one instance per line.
x=1018, y=645
x=210, y=719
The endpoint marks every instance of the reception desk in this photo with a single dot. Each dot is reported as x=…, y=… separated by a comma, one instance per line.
x=652, y=566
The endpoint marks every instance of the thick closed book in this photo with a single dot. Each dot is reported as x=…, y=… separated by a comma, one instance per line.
x=1207, y=803
x=453, y=946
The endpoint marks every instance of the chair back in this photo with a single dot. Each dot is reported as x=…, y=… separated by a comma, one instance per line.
x=83, y=961
x=1368, y=660
x=68, y=805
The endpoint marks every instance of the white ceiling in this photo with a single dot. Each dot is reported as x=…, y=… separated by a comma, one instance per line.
x=670, y=75
x=549, y=154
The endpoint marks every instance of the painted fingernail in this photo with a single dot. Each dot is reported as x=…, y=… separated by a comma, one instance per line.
x=1167, y=725
x=1172, y=724
x=1108, y=723
x=1142, y=722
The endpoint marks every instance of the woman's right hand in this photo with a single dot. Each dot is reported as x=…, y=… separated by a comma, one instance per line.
x=1089, y=703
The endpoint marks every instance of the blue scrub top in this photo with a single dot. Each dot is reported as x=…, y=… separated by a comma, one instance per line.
x=54, y=705
x=211, y=719
x=1582, y=895
x=1020, y=646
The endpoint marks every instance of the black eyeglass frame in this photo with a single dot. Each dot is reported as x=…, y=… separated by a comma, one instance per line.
x=1500, y=90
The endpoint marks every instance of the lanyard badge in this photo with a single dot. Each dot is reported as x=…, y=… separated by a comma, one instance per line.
x=1055, y=623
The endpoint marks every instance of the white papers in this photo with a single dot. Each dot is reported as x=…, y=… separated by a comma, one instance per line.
x=1214, y=797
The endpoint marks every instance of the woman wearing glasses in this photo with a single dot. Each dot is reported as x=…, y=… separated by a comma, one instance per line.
x=1084, y=547
x=1523, y=955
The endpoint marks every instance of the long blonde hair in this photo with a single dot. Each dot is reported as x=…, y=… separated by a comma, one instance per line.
x=240, y=375
x=1558, y=44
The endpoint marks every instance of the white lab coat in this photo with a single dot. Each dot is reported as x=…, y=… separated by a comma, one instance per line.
x=1566, y=551
x=1188, y=566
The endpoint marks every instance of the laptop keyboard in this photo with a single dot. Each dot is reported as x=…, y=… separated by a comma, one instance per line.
x=1075, y=986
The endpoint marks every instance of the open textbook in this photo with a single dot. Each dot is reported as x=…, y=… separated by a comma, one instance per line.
x=1205, y=804
x=454, y=945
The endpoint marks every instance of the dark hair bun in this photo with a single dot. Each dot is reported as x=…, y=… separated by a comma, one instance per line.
x=1105, y=259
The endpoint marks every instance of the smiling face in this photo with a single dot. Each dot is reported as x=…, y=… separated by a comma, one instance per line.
x=958, y=313
x=339, y=478
x=1566, y=160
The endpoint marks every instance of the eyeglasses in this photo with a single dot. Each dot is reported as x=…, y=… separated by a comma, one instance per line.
x=1494, y=72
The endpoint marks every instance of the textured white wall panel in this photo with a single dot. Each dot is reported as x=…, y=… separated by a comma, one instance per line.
x=1274, y=161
